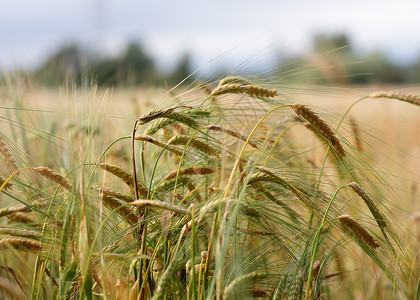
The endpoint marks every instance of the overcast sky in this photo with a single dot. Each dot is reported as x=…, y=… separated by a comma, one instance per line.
x=30, y=30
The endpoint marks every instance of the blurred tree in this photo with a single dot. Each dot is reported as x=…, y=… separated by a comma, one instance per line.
x=182, y=70
x=133, y=67
x=67, y=63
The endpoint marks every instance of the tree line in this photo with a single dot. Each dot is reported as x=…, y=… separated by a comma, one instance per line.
x=331, y=60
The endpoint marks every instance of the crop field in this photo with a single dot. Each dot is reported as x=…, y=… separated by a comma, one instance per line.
x=234, y=189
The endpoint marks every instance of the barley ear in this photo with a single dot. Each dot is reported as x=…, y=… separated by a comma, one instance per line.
x=316, y=121
x=398, y=96
x=8, y=158
x=370, y=204
x=350, y=223
x=54, y=176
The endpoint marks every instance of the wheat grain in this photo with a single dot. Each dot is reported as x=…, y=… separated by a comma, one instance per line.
x=315, y=120
x=398, y=96
x=370, y=204
x=124, y=176
x=54, y=176
x=350, y=223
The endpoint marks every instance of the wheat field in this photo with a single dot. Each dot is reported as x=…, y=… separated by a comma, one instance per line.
x=237, y=188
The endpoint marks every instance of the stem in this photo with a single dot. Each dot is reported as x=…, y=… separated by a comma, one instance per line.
x=315, y=242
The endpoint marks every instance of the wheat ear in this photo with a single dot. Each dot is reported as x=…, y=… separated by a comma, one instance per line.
x=8, y=158
x=189, y=171
x=356, y=133
x=169, y=114
x=20, y=232
x=54, y=176
x=370, y=204
x=20, y=217
x=234, y=79
x=157, y=142
x=21, y=244
x=109, y=192
x=350, y=223
x=315, y=120
x=13, y=209
x=237, y=88
x=161, y=205
x=231, y=132
x=398, y=96
x=283, y=181
x=195, y=143
x=124, y=210
x=124, y=176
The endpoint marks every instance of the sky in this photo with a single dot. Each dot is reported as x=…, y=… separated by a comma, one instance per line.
x=232, y=30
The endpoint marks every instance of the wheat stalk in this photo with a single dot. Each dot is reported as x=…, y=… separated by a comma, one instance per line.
x=315, y=120
x=350, y=223
x=398, y=96
x=54, y=176
x=370, y=204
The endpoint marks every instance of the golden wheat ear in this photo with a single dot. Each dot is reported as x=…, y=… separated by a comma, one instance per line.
x=350, y=223
x=124, y=176
x=8, y=157
x=398, y=96
x=21, y=244
x=370, y=204
x=320, y=125
x=54, y=176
